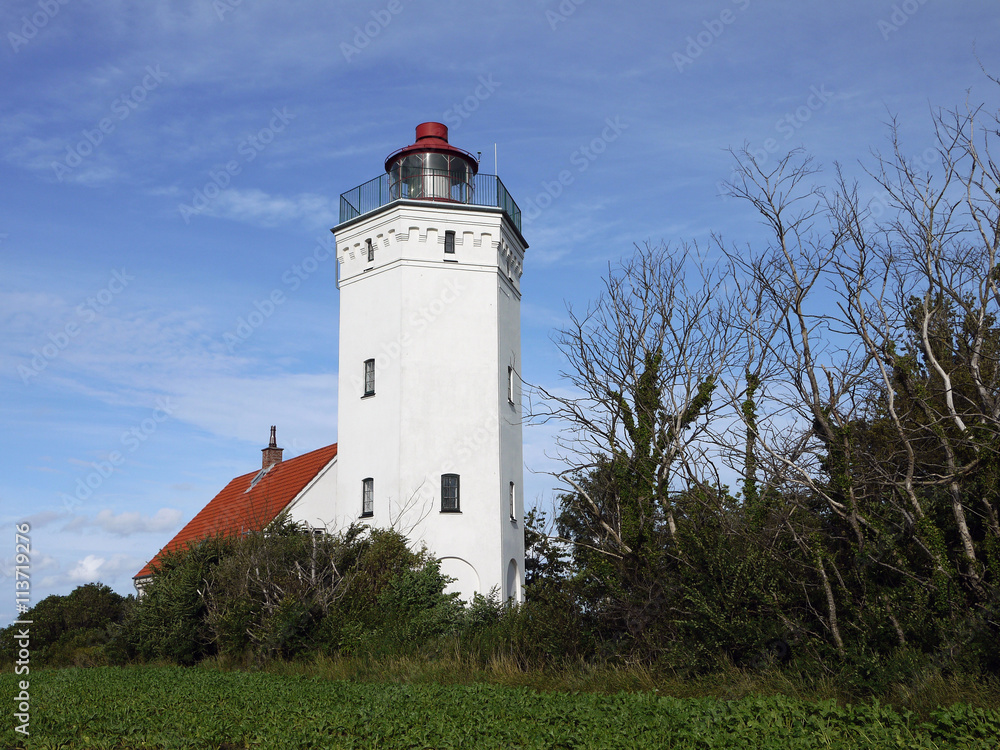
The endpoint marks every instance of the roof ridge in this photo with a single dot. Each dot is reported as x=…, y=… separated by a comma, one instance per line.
x=238, y=507
x=255, y=472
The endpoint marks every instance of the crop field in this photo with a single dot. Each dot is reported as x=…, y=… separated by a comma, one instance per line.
x=172, y=707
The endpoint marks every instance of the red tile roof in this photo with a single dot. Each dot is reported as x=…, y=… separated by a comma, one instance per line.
x=240, y=508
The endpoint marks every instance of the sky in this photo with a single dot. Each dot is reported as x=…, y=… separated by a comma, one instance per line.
x=168, y=165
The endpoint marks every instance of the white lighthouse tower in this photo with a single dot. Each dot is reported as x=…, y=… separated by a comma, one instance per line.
x=429, y=402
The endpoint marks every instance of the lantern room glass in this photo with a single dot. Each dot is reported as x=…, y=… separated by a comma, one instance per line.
x=431, y=176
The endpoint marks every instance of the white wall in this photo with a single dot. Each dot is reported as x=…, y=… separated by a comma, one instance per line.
x=316, y=504
x=443, y=330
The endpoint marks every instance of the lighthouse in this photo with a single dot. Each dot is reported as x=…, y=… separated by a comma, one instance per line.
x=430, y=256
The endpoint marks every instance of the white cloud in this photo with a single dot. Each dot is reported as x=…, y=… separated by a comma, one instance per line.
x=261, y=209
x=542, y=316
x=238, y=406
x=131, y=355
x=39, y=563
x=87, y=569
x=36, y=153
x=94, y=568
x=40, y=520
x=129, y=522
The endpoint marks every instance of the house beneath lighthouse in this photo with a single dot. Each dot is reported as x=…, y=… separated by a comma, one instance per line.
x=429, y=443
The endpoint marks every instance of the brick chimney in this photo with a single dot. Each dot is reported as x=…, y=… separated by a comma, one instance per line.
x=271, y=455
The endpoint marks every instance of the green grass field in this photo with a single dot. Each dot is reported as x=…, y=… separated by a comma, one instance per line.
x=173, y=707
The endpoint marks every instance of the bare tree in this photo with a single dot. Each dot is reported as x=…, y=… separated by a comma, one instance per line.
x=874, y=380
x=847, y=369
x=635, y=405
x=803, y=378
x=929, y=321
x=641, y=365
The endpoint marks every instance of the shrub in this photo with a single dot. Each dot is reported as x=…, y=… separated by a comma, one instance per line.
x=415, y=609
x=169, y=620
x=268, y=594
x=67, y=630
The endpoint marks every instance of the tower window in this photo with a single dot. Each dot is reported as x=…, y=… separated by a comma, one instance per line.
x=369, y=377
x=510, y=384
x=449, y=493
x=513, y=506
x=371, y=251
x=449, y=242
x=367, y=497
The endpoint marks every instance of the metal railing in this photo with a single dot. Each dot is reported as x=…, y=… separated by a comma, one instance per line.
x=485, y=190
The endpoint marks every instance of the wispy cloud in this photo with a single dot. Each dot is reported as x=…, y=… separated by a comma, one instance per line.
x=130, y=355
x=128, y=522
x=235, y=406
x=43, y=519
x=259, y=208
x=97, y=568
x=542, y=316
x=40, y=563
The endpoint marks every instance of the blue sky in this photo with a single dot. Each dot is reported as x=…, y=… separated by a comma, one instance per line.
x=166, y=166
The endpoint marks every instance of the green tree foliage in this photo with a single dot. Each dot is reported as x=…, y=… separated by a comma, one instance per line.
x=879, y=346
x=847, y=369
x=925, y=472
x=416, y=609
x=290, y=591
x=269, y=592
x=169, y=622
x=71, y=630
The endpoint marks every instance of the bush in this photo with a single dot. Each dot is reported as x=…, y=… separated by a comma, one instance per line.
x=71, y=630
x=169, y=620
x=370, y=559
x=269, y=593
x=416, y=610
x=286, y=592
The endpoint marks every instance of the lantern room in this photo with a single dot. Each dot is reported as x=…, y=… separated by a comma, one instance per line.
x=431, y=168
